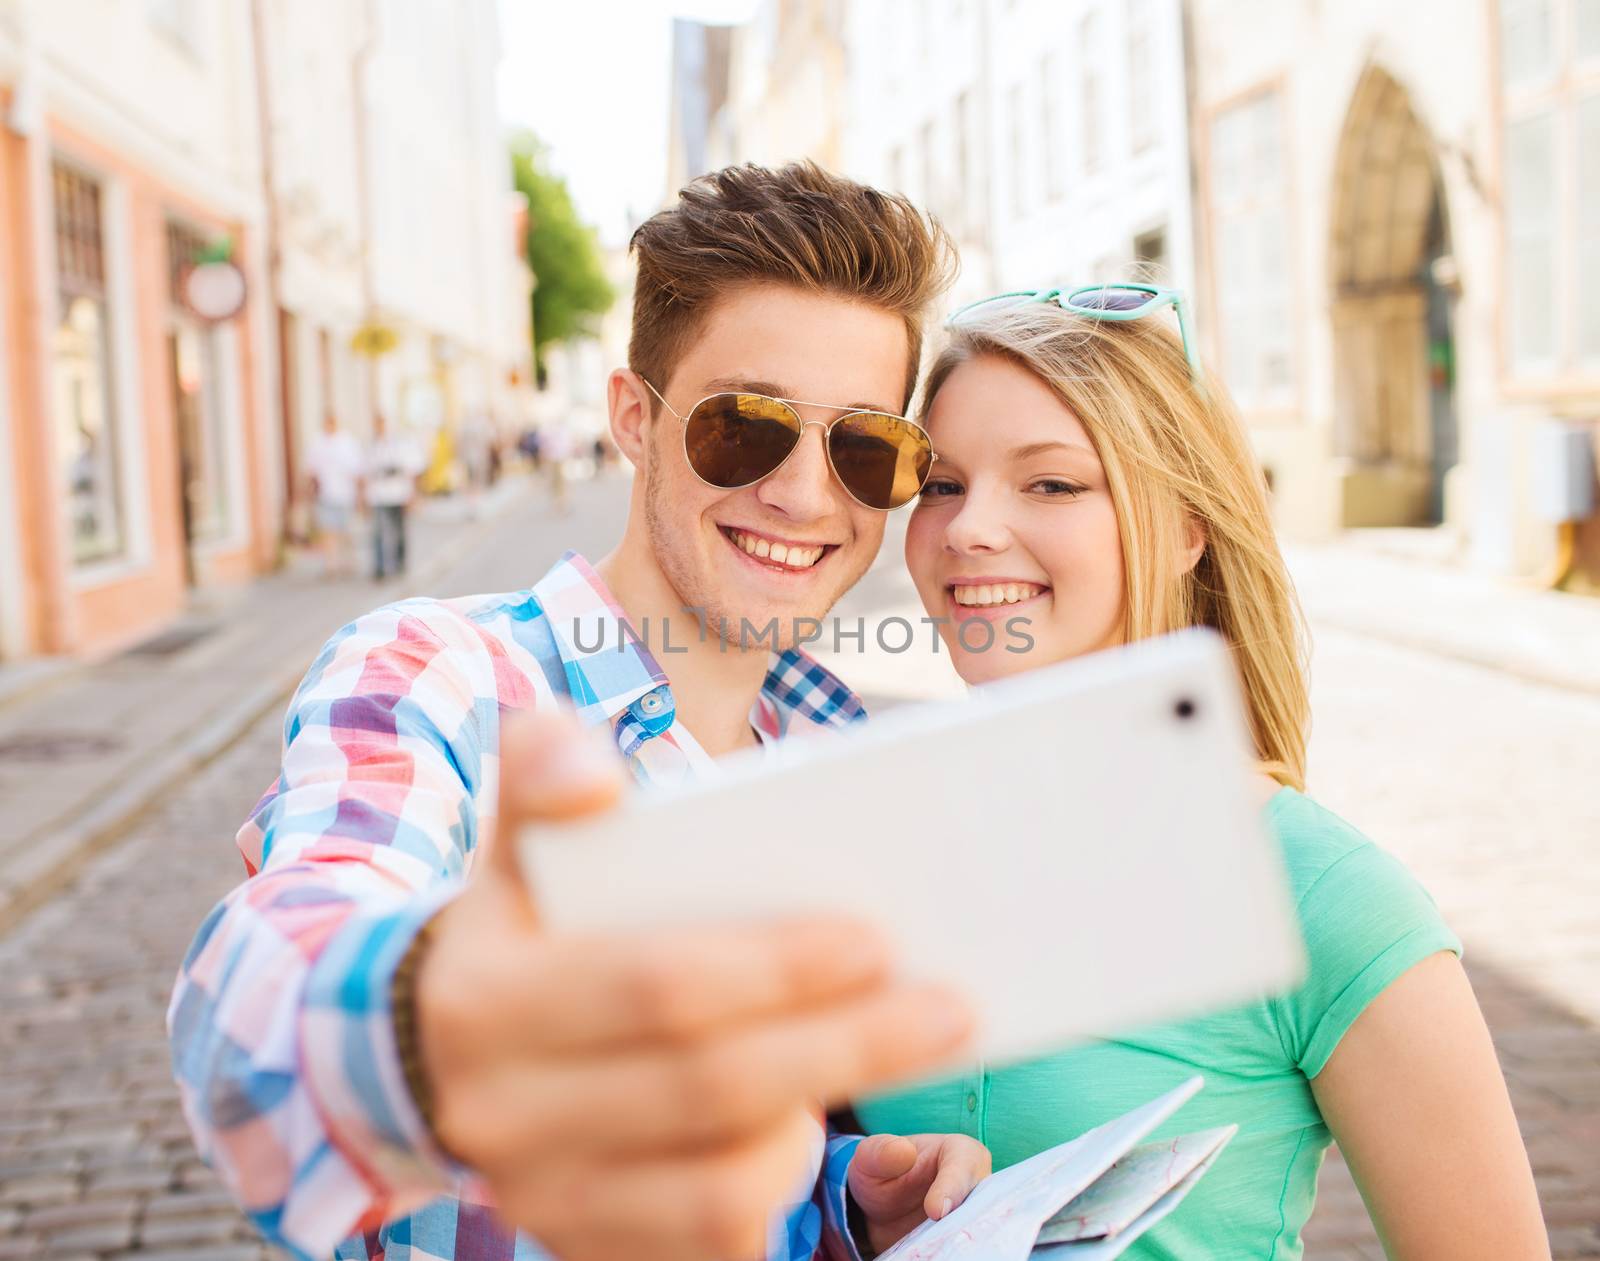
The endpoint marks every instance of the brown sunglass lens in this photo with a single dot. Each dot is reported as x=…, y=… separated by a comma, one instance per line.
x=882, y=460
x=736, y=439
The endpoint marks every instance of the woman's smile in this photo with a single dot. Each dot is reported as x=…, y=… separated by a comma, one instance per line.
x=993, y=598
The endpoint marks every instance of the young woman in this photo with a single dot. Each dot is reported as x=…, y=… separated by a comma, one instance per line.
x=1088, y=479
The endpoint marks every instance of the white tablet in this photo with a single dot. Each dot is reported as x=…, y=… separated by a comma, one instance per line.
x=1079, y=848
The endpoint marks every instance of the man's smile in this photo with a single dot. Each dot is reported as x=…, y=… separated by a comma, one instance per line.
x=777, y=555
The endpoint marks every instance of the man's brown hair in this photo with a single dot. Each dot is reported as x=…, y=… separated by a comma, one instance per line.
x=799, y=225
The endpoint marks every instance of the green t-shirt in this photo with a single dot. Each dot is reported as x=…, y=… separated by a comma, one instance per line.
x=1366, y=920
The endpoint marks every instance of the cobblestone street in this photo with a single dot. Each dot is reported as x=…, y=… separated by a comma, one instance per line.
x=1483, y=783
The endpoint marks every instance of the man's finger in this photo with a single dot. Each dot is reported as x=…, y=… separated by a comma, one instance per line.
x=718, y=1090
x=622, y=990
x=963, y=1163
x=715, y=1204
x=882, y=1158
x=551, y=768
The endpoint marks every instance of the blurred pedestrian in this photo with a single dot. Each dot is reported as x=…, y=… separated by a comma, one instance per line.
x=531, y=444
x=557, y=450
x=394, y=464
x=474, y=446
x=335, y=465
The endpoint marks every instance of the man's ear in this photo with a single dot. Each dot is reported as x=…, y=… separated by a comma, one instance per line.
x=1194, y=542
x=628, y=400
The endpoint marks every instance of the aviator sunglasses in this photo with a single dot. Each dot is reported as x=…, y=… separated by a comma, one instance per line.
x=734, y=439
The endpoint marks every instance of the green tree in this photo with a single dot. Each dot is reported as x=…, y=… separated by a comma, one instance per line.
x=570, y=289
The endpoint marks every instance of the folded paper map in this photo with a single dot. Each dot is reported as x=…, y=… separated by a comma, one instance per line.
x=1086, y=1200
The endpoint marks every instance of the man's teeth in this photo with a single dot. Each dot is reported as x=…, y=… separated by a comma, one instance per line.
x=792, y=557
x=998, y=593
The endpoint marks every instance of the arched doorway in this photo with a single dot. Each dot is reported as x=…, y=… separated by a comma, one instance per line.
x=1392, y=284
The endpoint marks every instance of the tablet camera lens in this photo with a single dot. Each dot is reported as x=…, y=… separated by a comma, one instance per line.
x=1185, y=709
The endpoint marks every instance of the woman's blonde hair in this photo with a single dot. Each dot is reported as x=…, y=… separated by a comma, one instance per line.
x=1175, y=456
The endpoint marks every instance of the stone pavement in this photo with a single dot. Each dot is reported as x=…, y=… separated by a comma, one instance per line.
x=1480, y=779
x=82, y=747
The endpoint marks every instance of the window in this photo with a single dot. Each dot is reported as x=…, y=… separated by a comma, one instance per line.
x=179, y=21
x=933, y=183
x=1588, y=16
x=1150, y=255
x=1050, y=129
x=1550, y=65
x=975, y=160
x=961, y=200
x=1250, y=205
x=1588, y=279
x=1019, y=187
x=84, y=404
x=1141, y=77
x=1531, y=222
x=1090, y=79
x=198, y=414
x=1526, y=41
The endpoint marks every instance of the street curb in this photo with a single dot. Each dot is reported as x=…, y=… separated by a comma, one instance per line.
x=51, y=862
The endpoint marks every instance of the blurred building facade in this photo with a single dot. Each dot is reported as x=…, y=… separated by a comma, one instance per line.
x=138, y=452
x=1388, y=216
x=401, y=283
x=1051, y=138
x=786, y=86
x=350, y=160
x=698, y=91
x=1402, y=254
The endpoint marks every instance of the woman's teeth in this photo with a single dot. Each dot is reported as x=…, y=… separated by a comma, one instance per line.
x=795, y=557
x=999, y=593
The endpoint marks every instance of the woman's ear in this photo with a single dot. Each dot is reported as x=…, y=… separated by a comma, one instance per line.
x=628, y=400
x=1194, y=542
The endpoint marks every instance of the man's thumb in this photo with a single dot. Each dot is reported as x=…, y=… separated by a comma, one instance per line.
x=884, y=1157
x=551, y=768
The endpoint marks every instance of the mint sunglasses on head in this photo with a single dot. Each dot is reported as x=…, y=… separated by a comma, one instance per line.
x=1118, y=303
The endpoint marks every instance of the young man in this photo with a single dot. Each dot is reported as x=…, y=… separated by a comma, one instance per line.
x=394, y=463
x=336, y=467
x=374, y=1038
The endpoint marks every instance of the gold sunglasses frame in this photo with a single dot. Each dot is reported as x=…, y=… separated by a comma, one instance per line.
x=827, y=428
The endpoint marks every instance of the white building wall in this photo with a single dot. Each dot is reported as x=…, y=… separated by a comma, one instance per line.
x=976, y=109
x=1078, y=219
x=444, y=269
x=175, y=96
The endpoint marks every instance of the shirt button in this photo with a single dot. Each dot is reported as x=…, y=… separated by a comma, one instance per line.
x=654, y=711
x=972, y=1101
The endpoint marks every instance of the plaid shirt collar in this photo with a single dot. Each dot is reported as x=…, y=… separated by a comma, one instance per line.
x=613, y=677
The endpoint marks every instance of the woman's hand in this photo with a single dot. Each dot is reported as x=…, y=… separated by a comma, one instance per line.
x=1417, y=1104
x=899, y=1181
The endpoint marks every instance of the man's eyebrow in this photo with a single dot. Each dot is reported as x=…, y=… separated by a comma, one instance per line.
x=1040, y=448
x=743, y=385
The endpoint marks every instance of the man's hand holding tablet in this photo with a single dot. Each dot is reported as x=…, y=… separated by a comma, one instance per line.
x=647, y=1092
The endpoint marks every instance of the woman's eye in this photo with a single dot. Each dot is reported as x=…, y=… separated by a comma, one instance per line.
x=1055, y=486
x=940, y=487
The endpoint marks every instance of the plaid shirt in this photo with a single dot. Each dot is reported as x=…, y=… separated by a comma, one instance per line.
x=280, y=1025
